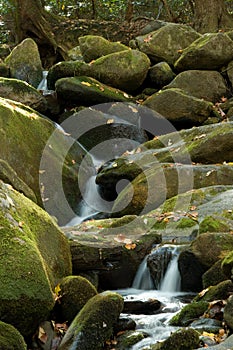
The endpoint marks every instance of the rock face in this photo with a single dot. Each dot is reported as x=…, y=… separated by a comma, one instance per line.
x=211, y=51
x=164, y=44
x=20, y=91
x=94, y=46
x=94, y=324
x=30, y=267
x=24, y=62
x=10, y=338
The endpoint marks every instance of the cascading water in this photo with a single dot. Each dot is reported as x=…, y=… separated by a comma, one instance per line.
x=171, y=280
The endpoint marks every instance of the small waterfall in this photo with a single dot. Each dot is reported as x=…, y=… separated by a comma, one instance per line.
x=43, y=84
x=142, y=279
x=165, y=261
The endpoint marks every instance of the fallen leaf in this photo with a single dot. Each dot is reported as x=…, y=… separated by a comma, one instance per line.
x=85, y=83
x=110, y=121
x=42, y=335
x=130, y=246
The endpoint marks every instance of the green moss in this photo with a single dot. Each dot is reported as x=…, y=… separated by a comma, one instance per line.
x=183, y=339
x=211, y=224
x=10, y=338
x=129, y=338
x=189, y=313
x=219, y=292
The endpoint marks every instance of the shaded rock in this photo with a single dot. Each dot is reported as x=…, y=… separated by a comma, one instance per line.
x=30, y=267
x=23, y=142
x=183, y=339
x=64, y=70
x=182, y=106
x=207, y=85
x=227, y=265
x=86, y=91
x=128, y=339
x=124, y=324
x=5, y=50
x=227, y=313
x=164, y=44
x=219, y=292
x=94, y=46
x=189, y=313
x=138, y=307
x=10, y=338
x=4, y=70
x=161, y=74
x=74, y=292
x=113, y=247
x=75, y=54
x=211, y=51
x=94, y=324
x=213, y=275
x=152, y=26
x=225, y=345
x=24, y=62
x=125, y=70
x=21, y=91
x=206, y=325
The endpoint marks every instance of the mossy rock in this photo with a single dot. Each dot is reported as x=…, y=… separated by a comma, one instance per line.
x=74, y=292
x=161, y=74
x=87, y=91
x=24, y=62
x=129, y=338
x=18, y=90
x=215, y=224
x=10, y=338
x=182, y=339
x=94, y=46
x=219, y=292
x=214, y=275
x=30, y=267
x=211, y=51
x=94, y=323
x=189, y=313
x=227, y=265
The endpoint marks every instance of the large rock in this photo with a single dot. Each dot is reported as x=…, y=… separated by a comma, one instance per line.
x=24, y=62
x=86, y=91
x=183, y=339
x=125, y=70
x=161, y=74
x=24, y=146
x=181, y=108
x=94, y=46
x=165, y=43
x=30, y=267
x=211, y=52
x=10, y=338
x=207, y=85
x=94, y=324
x=21, y=91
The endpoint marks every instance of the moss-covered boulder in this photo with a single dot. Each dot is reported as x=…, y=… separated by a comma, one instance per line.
x=94, y=323
x=94, y=46
x=126, y=340
x=227, y=265
x=74, y=292
x=182, y=106
x=125, y=70
x=214, y=275
x=86, y=91
x=211, y=51
x=24, y=62
x=188, y=313
x=182, y=339
x=161, y=74
x=24, y=137
x=10, y=338
x=30, y=267
x=165, y=43
x=21, y=91
x=221, y=291
x=207, y=85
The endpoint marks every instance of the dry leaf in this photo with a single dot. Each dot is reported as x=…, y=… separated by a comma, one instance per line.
x=42, y=335
x=148, y=39
x=110, y=121
x=85, y=83
x=130, y=246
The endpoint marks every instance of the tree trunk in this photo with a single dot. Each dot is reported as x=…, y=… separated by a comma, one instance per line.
x=211, y=16
x=129, y=11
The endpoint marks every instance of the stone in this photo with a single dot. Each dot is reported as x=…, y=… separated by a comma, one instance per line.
x=10, y=338
x=94, y=323
x=94, y=46
x=188, y=313
x=161, y=74
x=207, y=85
x=165, y=43
x=20, y=91
x=24, y=62
x=183, y=339
x=209, y=52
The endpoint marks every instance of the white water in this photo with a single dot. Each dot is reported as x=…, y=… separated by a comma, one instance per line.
x=142, y=279
x=171, y=280
x=43, y=84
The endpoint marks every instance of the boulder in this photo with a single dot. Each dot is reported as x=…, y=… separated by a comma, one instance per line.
x=182, y=106
x=214, y=275
x=21, y=91
x=188, y=313
x=94, y=46
x=125, y=70
x=221, y=291
x=74, y=292
x=211, y=51
x=227, y=313
x=24, y=62
x=94, y=323
x=207, y=85
x=24, y=146
x=10, y=338
x=30, y=267
x=86, y=91
x=165, y=43
x=183, y=339
x=161, y=74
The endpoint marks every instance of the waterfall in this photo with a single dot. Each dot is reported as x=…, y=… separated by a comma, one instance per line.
x=166, y=269
x=43, y=84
